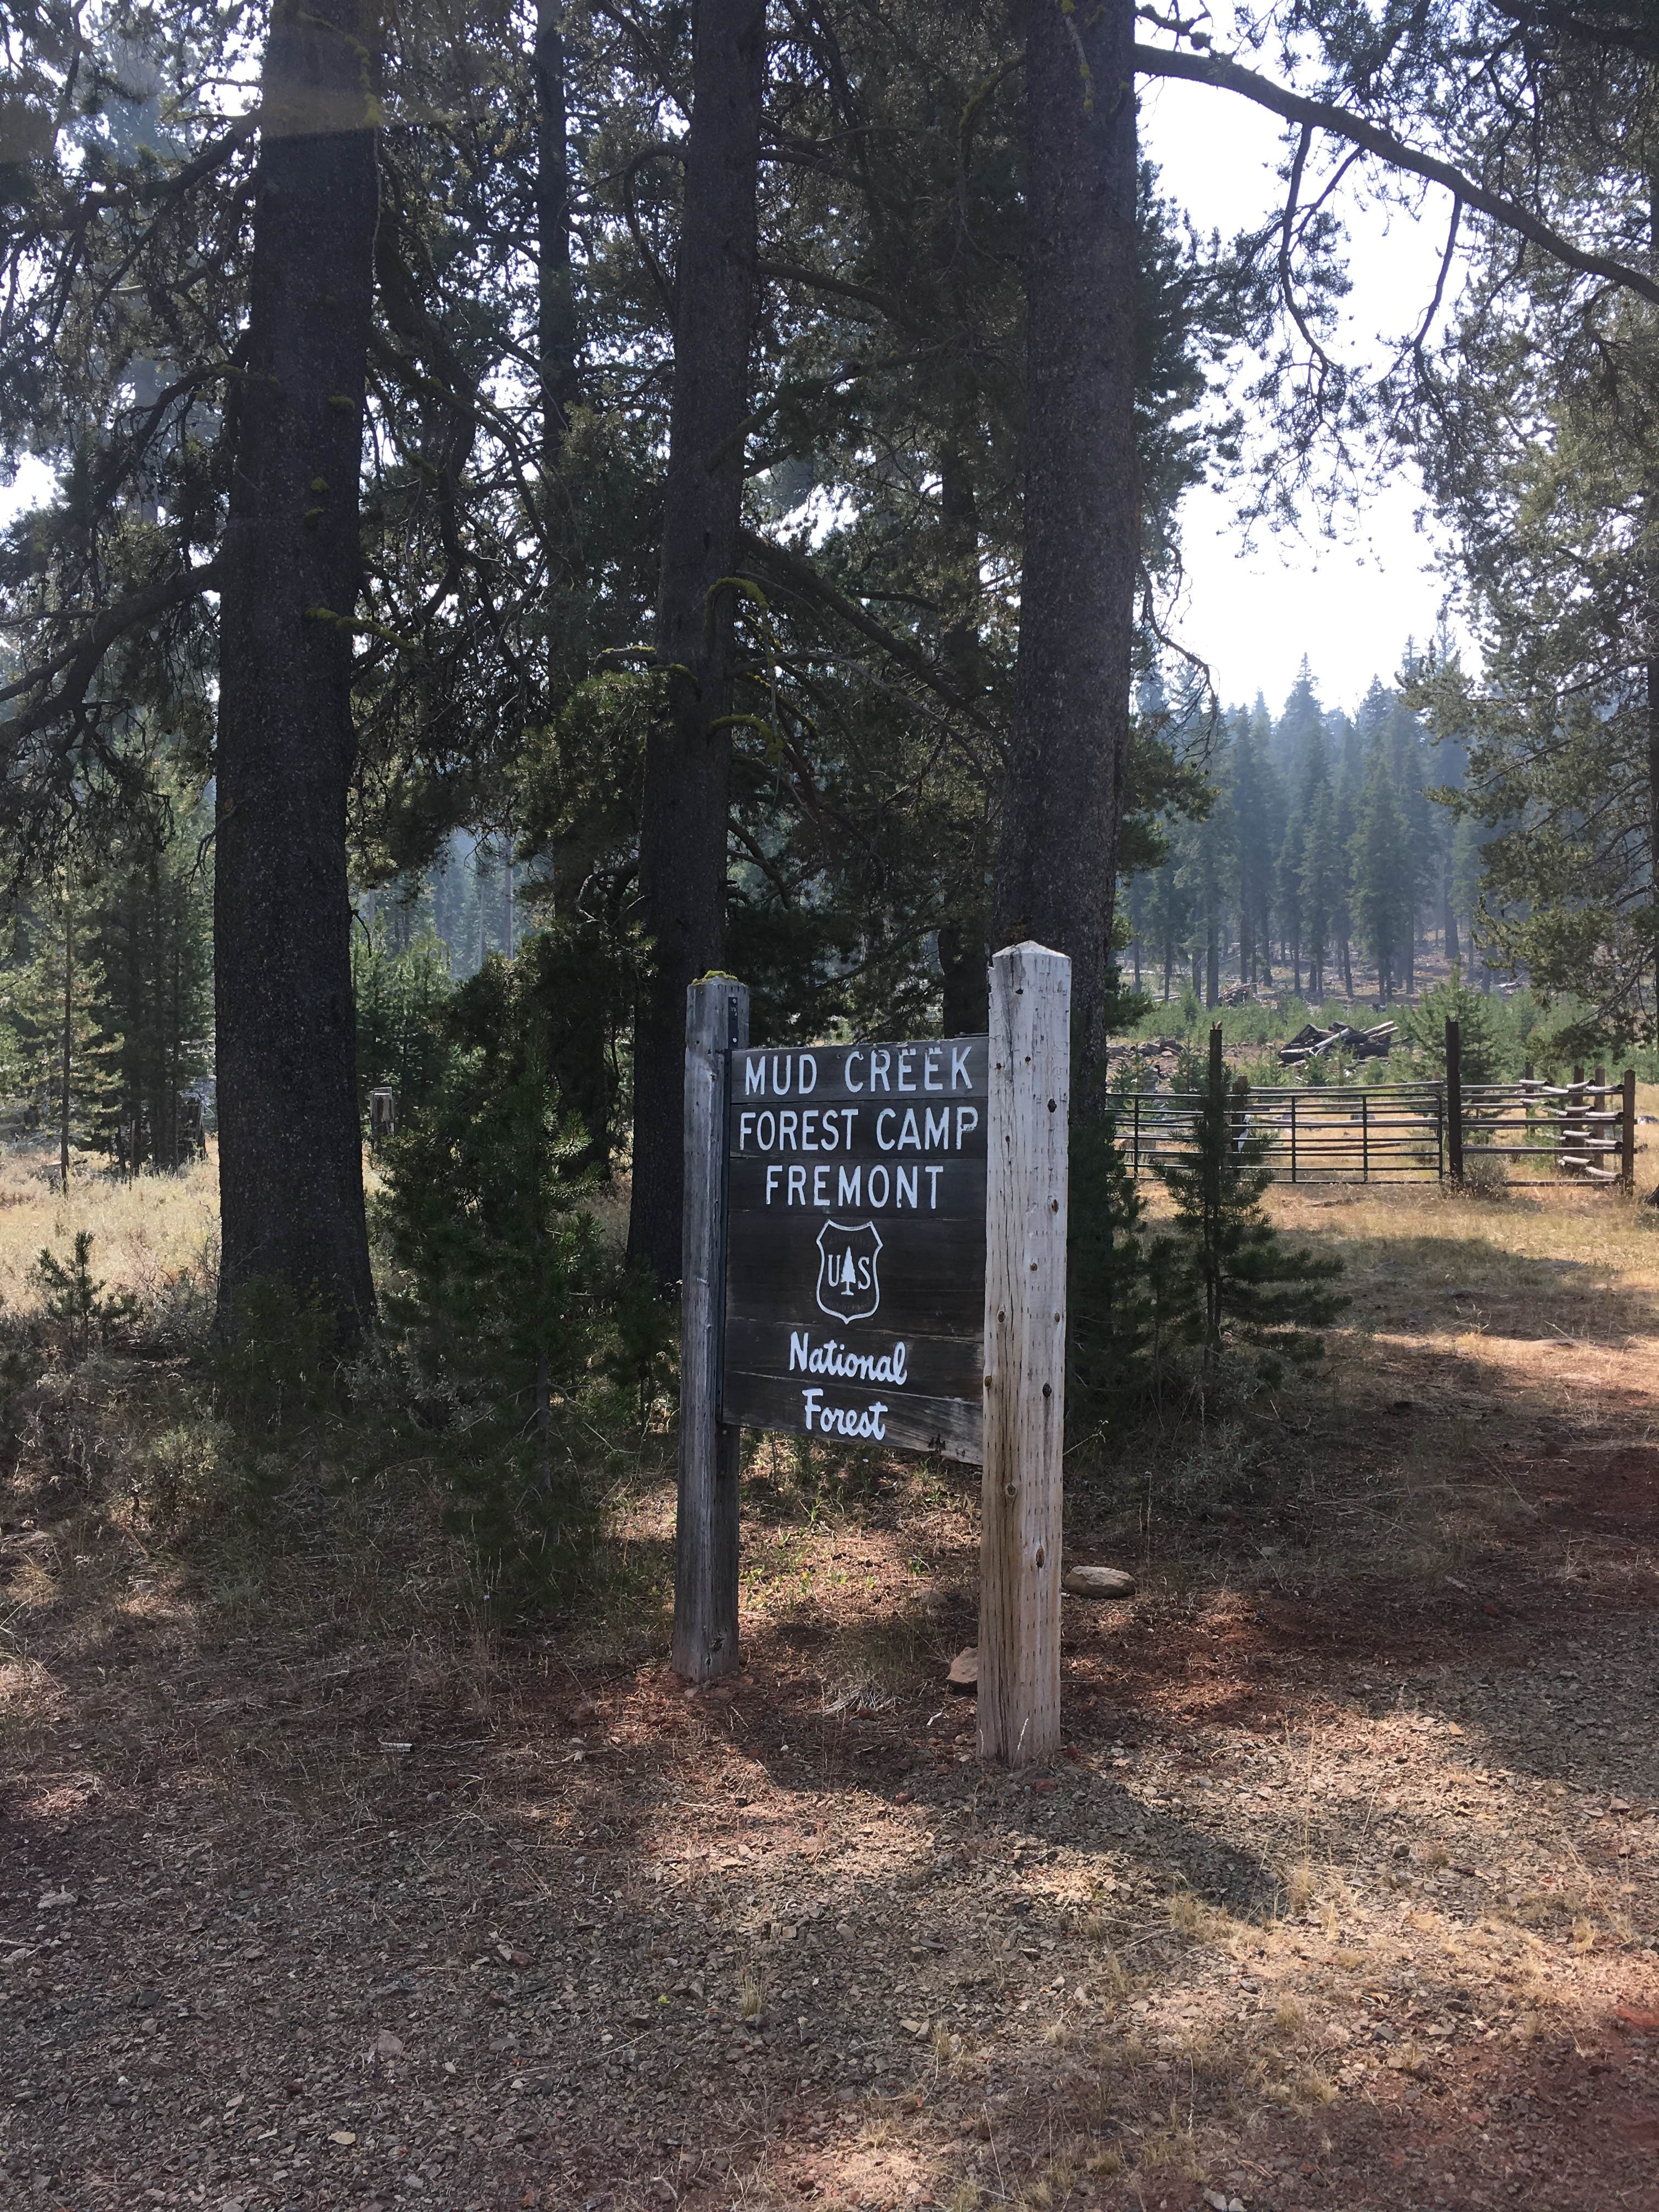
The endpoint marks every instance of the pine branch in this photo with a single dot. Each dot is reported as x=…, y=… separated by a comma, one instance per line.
x=1225, y=75
x=79, y=663
x=798, y=573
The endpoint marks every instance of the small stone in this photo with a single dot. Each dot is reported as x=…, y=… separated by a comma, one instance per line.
x=1097, y=1581
x=964, y=1670
x=51, y=1898
x=343, y=2137
x=388, y=2046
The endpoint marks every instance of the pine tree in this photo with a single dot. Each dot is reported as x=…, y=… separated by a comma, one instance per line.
x=1253, y=875
x=1252, y=1291
x=1274, y=814
x=1108, y=1320
x=1464, y=871
x=1417, y=817
x=1349, y=783
x=1169, y=917
x=401, y=996
x=1480, y=1050
x=58, y=1009
x=1321, y=889
x=483, y=1209
x=1381, y=872
x=1207, y=853
x=154, y=942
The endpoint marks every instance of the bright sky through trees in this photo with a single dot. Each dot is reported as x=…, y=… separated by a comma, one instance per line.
x=1349, y=603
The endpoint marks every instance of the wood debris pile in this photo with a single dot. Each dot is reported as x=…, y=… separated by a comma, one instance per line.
x=1313, y=1043
x=1154, y=1057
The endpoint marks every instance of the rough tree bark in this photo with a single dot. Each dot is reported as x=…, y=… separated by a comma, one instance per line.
x=683, y=827
x=1063, y=802
x=1651, y=625
x=963, y=950
x=290, y=1157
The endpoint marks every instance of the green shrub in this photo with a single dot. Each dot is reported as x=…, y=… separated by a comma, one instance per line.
x=1250, y=1290
x=78, y=1311
x=484, y=1212
x=1482, y=1050
x=1109, y=1320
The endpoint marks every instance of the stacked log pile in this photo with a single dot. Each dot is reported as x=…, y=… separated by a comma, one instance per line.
x=1313, y=1043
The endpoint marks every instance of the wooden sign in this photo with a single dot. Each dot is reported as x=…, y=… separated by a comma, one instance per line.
x=855, y=1242
x=875, y=1253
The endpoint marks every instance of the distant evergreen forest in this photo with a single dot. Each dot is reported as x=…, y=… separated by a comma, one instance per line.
x=1331, y=858
x=471, y=900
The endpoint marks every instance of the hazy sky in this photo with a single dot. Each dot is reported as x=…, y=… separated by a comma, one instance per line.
x=1349, y=605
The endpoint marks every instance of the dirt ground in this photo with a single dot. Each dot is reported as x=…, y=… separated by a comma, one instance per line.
x=1343, y=1894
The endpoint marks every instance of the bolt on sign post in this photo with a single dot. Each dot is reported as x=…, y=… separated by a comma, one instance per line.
x=852, y=1219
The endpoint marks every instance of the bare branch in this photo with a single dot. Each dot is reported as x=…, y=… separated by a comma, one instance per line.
x=1225, y=75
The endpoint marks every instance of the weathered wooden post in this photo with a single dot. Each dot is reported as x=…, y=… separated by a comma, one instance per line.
x=705, y=1643
x=1024, y=1375
x=1627, y=1132
x=1455, y=1102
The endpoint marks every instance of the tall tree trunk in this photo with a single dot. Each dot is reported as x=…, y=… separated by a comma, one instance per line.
x=1448, y=926
x=556, y=312
x=290, y=1158
x=687, y=759
x=1063, y=797
x=964, y=953
x=68, y=1042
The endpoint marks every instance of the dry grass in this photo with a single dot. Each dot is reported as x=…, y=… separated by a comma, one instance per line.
x=1131, y=2033
x=149, y=1234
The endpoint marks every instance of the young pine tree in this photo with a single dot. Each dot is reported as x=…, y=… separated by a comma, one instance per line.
x=401, y=992
x=1381, y=897
x=1321, y=892
x=1252, y=1291
x=483, y=1210
x=1481, y=1046
x=1109, y=1318
x=66, y=1074
x=154, y=924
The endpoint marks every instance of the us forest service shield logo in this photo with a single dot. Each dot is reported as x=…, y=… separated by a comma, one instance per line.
x=849, y=1288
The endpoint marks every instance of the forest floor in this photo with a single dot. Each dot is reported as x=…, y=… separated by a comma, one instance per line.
x=1342, y=1894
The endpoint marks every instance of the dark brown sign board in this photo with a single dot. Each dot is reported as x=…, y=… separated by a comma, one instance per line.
x=854, y=1291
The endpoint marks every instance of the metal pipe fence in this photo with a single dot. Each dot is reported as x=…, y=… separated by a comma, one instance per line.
x=1390, y=1132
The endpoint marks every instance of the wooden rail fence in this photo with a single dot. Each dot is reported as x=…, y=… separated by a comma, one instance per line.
x=1580, y=1132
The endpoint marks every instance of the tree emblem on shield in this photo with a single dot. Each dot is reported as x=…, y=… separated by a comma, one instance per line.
x=849, y=1288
